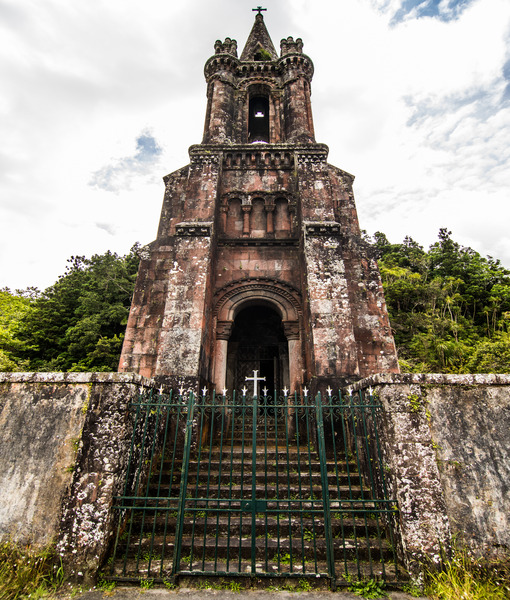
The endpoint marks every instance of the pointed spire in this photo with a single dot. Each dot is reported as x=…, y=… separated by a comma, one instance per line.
x=259, y=45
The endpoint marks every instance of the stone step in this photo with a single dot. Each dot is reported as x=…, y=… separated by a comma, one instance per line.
x=222, y=525
x=265, y=547
x=286, y=490
x=282, y=477
x=162, y=570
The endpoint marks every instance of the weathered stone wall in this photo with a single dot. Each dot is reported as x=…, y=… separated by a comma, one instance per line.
x=41, y=421
x=168, y=321
x=350, y=330
x=446, y=452
x=65, y=440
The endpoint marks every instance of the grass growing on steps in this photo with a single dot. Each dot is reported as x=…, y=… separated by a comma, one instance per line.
x=24, y=572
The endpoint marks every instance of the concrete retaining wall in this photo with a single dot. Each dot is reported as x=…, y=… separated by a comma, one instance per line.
x=447, y=458
x=65, y=440
x=64, y=446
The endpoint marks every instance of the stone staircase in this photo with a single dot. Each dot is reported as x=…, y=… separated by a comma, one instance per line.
x=263, y=519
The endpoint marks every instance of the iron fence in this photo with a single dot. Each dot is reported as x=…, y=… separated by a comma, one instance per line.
x=259, y=486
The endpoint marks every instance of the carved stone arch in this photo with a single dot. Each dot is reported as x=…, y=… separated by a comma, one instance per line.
x=231, y=195
x=256, y=295
x=283, y=297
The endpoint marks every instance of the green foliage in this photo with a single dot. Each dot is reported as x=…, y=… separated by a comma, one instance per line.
x=366, y=588
x=146, y=584
x=468, y=577
x=26, y=573
x=413, y=590
x=264, y=54
x=170, y=585
x=14, y=307
x=449, y=307
x=106, y=586
x=78, y=323
x=235, y=586
x=304, y=586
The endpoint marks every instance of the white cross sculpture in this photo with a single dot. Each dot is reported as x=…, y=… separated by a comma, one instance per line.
x=255, y=380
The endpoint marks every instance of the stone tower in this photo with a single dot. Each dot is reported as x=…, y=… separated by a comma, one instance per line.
x=258, y=261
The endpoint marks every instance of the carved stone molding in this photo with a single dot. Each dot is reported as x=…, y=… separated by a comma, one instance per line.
x=199, y=229
x=224, y=329
x=291, y=330
x=319, y=228
x=258, y=157
x=238, y=293
x=204, y=158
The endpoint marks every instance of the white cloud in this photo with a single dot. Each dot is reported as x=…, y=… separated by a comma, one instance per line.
x=414, y=107
x=119, y=174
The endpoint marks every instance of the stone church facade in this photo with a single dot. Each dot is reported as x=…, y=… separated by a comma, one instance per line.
x=258, y=261
x=258, y=265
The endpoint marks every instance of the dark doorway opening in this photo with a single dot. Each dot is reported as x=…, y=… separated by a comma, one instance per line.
x=258, y=343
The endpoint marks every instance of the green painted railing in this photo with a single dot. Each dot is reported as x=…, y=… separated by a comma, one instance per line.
x=253, y=486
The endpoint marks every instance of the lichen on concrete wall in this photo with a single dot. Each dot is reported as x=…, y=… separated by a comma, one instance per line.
x=65, y=443
x=446, y=452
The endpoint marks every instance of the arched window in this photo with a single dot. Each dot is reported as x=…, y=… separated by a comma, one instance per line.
x=258, y=122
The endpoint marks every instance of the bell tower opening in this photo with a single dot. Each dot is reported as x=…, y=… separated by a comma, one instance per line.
x=258, y=122
x=258, y=342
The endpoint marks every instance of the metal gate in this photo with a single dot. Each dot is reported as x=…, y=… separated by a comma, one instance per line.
x=253, y=486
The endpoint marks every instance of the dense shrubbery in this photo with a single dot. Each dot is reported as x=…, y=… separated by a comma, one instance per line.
x=449, y=309
x=77, y=324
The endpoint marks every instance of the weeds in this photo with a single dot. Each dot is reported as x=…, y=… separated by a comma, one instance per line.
x=414, y=591
x=106, y=586
x=366, y=588
x=469, y=578
x=25, y=572
x=303, y=586
x=235, y=586
x=146, y=584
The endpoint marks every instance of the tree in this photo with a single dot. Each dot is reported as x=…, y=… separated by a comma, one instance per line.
x=447, y=306
x=14, y=306
x=78, y=323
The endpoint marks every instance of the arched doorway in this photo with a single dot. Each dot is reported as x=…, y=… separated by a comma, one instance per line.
x=258, y=343
x=257, y=322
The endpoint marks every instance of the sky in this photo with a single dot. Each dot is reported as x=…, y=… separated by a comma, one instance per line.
x=100, y=99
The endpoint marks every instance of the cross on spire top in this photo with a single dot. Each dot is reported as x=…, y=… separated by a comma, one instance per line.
x=259, y=9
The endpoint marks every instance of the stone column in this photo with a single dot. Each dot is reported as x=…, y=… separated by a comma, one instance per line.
x=291, y=330
x=246, y=208
x=223, y=212
x=223, y=330
x=270, y=218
